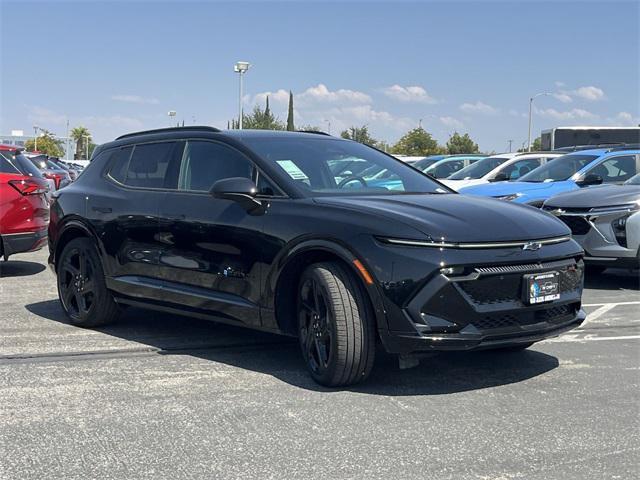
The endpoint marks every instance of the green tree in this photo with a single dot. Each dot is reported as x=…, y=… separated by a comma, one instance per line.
x=461, y=144
x=83, y=144
x=309, y=128
x=536, y=146
x=290, y=126
x=261, y=119
x=359, y=134
x=47, y=144
x=417, y=142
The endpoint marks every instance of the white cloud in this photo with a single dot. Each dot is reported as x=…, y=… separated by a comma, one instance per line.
x=573, y=114
x=279, y=96
x=560, y=84
x=624, y=119
x=411, y=94
x=134, y=99
x=321, y=94
x=564, y=97
x=589, y=93
x=451, y=122
x=45, y=117
x=478, y=107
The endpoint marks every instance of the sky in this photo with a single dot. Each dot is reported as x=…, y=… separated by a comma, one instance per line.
x=117, y=67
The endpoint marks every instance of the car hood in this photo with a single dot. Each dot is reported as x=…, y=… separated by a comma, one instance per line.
x=499, y=189
x=599, y=196
x=456, y=218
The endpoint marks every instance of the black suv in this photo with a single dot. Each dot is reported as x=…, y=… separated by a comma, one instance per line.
x=287, y=232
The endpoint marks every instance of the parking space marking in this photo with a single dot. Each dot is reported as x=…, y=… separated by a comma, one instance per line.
x=598, y=313
x=615, y=304
x=589, y=338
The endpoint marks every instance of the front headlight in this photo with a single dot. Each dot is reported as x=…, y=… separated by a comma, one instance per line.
x=509, y=197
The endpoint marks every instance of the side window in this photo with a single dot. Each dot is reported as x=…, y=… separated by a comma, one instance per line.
x=119, y=164
x=204, y=163
x=266, y=187
x=616, y=169
x=448, y=168
x=152, y=165
x=518, y=169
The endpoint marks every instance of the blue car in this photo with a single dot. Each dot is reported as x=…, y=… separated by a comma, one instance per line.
x=565, y=173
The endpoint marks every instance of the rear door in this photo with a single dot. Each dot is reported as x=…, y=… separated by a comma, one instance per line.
x=616, y=168
x=125, y=213
x=211, y=248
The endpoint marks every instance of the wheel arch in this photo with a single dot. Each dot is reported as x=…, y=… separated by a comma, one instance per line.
x=284, y=284
x=72, y=229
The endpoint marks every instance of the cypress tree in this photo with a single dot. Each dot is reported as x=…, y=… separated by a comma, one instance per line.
x=290, y=126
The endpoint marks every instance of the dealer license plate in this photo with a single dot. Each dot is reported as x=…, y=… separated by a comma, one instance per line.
x=542, y=287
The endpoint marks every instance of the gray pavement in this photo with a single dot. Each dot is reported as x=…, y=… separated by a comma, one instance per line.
x=162, y=396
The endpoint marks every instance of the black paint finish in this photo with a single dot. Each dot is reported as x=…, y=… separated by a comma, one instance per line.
x=211, y=257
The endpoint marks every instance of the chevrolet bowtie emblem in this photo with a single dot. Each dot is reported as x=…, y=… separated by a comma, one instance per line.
x=532, y=246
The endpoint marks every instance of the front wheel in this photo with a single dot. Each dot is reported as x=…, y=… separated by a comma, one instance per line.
x=336, y=328
x=81, y=286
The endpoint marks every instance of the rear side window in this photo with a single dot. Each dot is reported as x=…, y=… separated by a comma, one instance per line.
x=205, y=163
x=153, y=165
x=26, y=166
x=6, y=166
x=120, y=163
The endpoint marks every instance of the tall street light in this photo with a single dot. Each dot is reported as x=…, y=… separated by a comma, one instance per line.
x=530, y=107
x=241, y=68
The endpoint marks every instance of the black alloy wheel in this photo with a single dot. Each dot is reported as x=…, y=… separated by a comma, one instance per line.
x=81, y=286
x=336, y=328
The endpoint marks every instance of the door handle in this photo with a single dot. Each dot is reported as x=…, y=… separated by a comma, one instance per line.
x=102, y=209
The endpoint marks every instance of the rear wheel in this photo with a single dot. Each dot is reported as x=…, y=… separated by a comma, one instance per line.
x=336, y=329
x=81, y=287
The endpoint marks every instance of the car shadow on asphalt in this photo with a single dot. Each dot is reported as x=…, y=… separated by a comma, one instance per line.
x=279, y=356
x=613, y=279
x=19, y=268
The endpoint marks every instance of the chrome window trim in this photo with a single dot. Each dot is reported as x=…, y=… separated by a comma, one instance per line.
x=483, y=245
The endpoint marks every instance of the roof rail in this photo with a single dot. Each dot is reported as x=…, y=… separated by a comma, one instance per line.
x=576, y=148
x=316, y=132
x=170, y=129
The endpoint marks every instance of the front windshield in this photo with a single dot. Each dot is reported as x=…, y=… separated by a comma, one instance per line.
x=559, y=169
x=635, y=180
x=478, y=169
x=333, y=166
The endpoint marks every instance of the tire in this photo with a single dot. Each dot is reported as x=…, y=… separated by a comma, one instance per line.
x=335, y=325
x=81, y=287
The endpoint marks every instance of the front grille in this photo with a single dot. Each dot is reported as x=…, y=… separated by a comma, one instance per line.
x=556, y=314
x=495, y=289
x=578, y=225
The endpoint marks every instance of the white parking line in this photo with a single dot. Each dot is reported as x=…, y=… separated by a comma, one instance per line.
x=610, y=303
x=588, y=338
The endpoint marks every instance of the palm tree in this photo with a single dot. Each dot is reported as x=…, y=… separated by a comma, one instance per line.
x=79, y=135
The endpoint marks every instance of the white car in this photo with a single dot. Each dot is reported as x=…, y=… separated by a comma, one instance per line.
x=498, y=168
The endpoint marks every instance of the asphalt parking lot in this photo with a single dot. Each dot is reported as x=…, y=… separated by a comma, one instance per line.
x=161, y=396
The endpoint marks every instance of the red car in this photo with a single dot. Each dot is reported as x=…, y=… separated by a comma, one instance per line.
x=24, y=209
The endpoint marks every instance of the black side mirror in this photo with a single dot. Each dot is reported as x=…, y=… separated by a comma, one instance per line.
x=590, y=179
x=500, y=177
x=240, y=190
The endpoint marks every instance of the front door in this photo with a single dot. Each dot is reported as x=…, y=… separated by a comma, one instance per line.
x=210, y=256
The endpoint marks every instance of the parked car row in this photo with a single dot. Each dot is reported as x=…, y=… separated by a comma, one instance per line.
x=27, y=181
x=329, y=240
x=603, y=218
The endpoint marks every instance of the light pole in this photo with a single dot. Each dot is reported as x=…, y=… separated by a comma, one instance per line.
x=35, y=137
x=530, y=107
x=87, y=137
x=240, y=68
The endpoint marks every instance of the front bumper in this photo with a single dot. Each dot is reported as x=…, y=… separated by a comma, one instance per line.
x=484, y=308
x=23, y=242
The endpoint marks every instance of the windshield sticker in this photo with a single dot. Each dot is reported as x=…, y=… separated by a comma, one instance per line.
x=292, y=169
